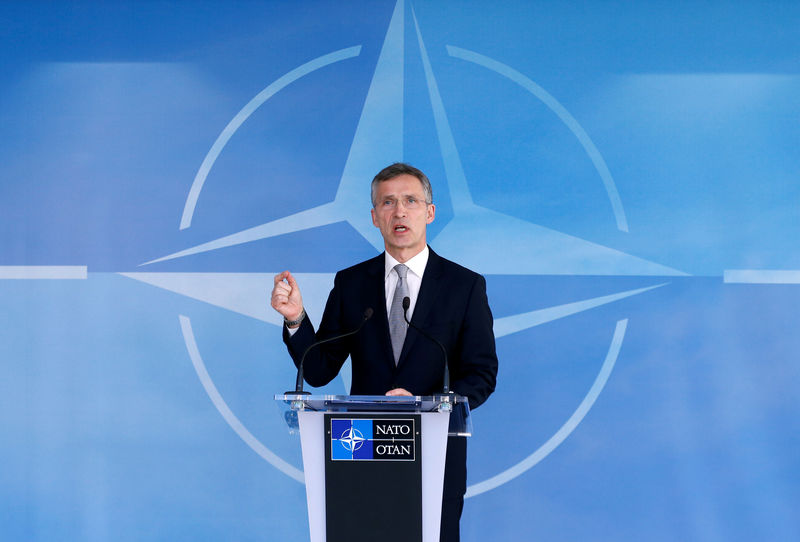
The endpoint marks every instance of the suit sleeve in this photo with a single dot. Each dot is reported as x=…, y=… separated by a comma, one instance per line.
x=323, y=362
x=475, y=374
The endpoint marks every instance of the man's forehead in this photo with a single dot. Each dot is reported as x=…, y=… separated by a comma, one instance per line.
x=401, y=185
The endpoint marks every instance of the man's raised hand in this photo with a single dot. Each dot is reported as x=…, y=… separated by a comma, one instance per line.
x=286, y=298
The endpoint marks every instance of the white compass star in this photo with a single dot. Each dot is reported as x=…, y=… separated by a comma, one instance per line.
x=352, y=439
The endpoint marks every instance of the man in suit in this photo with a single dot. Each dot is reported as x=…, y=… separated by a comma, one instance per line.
x=446, y=300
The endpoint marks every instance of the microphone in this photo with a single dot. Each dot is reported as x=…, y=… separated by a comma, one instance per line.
x=446, y=378
x=298, y=387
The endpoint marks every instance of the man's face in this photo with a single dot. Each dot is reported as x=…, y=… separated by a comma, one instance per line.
x=402, y=215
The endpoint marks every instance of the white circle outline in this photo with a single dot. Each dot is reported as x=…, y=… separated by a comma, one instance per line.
x=619, y=333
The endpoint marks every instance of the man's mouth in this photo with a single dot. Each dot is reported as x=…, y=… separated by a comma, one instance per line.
x=400, y=228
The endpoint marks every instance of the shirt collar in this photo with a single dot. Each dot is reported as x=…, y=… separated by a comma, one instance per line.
x=416, y=264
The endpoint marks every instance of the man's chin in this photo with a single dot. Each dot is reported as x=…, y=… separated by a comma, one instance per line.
x=401, y=242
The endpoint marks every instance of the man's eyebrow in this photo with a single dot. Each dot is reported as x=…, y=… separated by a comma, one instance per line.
x=407, y=195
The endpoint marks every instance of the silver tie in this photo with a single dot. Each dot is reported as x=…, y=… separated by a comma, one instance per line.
x=397, y=323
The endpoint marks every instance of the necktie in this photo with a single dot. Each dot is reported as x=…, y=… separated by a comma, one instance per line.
x=397, y=323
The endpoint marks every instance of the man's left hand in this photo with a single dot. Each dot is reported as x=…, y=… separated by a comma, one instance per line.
x=399, y=391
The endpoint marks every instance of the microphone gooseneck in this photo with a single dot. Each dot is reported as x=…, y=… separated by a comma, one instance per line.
x=446, y=376
x=298, y=387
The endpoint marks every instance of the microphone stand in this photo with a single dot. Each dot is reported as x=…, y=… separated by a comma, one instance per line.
x=298, y=387
x=446, y=377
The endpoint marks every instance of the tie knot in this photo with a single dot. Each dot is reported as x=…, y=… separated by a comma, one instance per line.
x=402, y=270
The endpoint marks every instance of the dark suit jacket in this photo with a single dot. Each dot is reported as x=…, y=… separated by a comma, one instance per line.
x=452, y=306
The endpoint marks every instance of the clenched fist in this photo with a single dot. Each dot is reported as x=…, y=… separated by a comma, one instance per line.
x=286, y=298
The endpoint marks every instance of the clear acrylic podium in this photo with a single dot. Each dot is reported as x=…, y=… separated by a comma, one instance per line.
x=374, y=464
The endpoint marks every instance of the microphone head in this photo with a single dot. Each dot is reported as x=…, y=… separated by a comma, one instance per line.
x=368, y=313
x=406, y=303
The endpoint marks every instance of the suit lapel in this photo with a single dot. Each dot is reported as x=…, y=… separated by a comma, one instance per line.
x=426, y=300
x=377, y=288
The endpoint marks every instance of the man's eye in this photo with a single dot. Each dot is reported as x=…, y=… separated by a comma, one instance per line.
x=411, y=200
x=388, y=202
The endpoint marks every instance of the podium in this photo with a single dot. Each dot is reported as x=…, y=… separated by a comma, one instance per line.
x=374, y=464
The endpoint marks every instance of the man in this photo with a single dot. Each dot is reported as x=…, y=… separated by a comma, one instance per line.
x=447, y=300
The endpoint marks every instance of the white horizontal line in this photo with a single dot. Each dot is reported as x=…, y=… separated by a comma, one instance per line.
x=43, y=272
x=762, y=276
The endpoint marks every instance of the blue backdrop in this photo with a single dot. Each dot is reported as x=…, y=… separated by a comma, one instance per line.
x=624, y=174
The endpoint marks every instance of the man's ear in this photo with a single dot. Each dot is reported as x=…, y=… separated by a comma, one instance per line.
x=431, y=213
x=374, y=218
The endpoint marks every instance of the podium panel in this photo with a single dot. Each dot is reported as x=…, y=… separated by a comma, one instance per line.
x=373, y=474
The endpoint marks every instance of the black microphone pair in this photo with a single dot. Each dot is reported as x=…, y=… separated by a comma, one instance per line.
x=298, y=388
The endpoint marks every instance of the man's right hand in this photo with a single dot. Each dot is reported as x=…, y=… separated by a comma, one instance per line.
x=286, y=298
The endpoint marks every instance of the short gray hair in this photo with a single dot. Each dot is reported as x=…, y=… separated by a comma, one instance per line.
x=397, y=169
